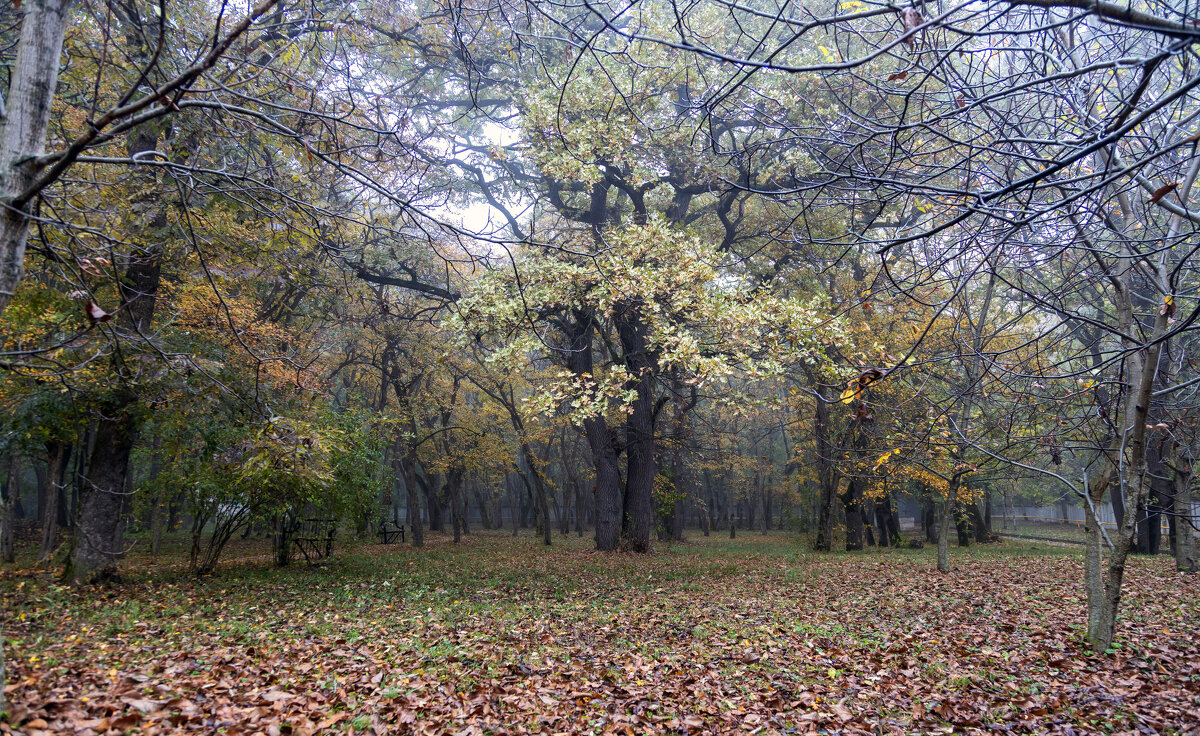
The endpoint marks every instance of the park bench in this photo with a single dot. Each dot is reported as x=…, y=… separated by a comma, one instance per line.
x=314, y=538
x=390, y=533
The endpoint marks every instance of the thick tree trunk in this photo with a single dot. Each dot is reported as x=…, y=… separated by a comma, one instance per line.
x=607, y=492
x=81, y=470
x=431, y=488
x=889, y=526
x=33, y=79
x=104, y=497
x=98, y=539
x=639, y=433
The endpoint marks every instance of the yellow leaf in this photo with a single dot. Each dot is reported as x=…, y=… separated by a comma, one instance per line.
x=883, y=458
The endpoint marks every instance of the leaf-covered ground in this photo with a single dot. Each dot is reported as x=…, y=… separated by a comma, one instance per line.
x=498, y=635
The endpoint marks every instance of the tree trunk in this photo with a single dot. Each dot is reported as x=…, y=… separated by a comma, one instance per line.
x=431, y=488
x=945, y=517
x=729, y=510
x=929, y=520
x=1185, y=519
x=1093, y=560
x=607, y=491
x=453, y=490
x=81, y=471
x=413, y=498
x=826, y=476
x=889, y=526
x=282, y=542
x=464, y=508
x=983, y=522
x=33, y=79
x=485, y=515
x=512, y=501
x=98, y=540
x=962, y=524
x=58, y=456
x=852, y=502
x=11, y=492
x=639, y=429
x=103, y=499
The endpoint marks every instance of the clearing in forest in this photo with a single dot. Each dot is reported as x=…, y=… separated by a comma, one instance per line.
x=499, y=635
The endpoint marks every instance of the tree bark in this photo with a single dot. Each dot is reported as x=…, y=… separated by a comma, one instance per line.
x=409, y=471
x=34, y=77
x=945, y=517
x=826, y=476
x=453, y=491
x=852, y=502
x=1185, y=519
x=57, y=458
x=639, y=430
x=963, y=524
x=103, y=499
x=943, y=534
x=98, y=541
x=600, y=441
x=11, y=491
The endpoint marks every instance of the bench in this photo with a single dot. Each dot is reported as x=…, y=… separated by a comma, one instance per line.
x=389, y=533
x=314, y=538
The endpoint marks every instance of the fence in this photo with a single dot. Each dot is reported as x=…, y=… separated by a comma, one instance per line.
x=1063, y=514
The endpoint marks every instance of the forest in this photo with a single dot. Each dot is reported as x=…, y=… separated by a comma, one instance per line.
x=488, y=366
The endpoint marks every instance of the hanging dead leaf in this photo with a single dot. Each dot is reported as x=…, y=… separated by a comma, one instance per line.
x=1162, y=191
x=96, y=314
x=912, y=19
x=869, y=376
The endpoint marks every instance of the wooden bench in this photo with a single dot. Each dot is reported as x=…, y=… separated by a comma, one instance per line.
x=314, y=538
x=389, y=533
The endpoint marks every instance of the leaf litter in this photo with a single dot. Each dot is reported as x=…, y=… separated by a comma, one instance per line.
x=501, y=636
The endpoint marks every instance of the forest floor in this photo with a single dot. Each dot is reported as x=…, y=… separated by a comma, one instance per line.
x=500, y=635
